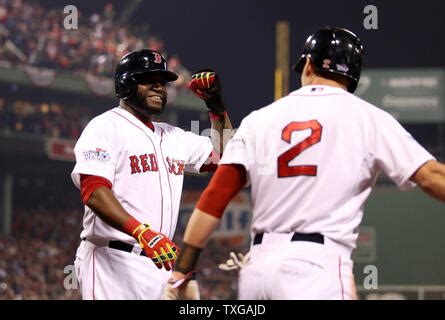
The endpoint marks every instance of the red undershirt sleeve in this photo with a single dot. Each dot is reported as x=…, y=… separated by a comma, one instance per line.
x=227, y=181
x=89, y=183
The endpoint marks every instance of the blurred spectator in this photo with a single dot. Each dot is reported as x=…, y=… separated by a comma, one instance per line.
x=40, y=40
x=46, y=119
x=33, y=259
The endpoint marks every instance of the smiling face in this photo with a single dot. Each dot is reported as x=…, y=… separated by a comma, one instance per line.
x=151, y=97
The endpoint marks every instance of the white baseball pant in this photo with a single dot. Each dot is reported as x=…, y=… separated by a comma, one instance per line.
x=110, y=274
x=281, y=269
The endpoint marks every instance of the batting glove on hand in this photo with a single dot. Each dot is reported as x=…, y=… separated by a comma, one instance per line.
x=206, y=85
x=181, y=287
x=235, y=261
x=158, y=247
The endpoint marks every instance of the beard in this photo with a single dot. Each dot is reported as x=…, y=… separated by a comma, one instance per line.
x=140, y=104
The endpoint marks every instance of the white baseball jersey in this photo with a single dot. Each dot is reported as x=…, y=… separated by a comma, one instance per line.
x=312, y=158
x=146, y=169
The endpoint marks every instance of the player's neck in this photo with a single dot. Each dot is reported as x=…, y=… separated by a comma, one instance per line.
x=147, y=120
x=320, y=81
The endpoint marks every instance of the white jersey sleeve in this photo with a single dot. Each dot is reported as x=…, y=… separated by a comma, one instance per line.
x=197, y=148
x=96, y=151
x=396, y=152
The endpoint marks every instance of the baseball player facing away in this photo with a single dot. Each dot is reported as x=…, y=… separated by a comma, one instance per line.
x=130, y=171
x=312, y=159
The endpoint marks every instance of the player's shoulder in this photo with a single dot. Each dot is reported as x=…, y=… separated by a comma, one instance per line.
x=251, y=118
x=369, y=108
x=168, y=128
x=102, y=119
x=259, y=115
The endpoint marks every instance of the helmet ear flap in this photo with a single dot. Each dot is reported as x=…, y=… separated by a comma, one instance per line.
x=125, y=86
x=299, y=66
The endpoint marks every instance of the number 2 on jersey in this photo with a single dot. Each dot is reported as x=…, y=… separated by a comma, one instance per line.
x=284, y=169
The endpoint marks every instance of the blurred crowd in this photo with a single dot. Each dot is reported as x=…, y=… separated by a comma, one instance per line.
x=34, y=35
x=33, y=258
x=45, y=119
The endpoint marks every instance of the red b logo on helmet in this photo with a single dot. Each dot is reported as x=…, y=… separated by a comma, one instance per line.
x=158, y=57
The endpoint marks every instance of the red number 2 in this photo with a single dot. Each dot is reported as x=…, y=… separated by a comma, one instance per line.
x=284, y=170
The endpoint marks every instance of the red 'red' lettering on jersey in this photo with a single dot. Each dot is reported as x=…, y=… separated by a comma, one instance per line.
x=284, y=170
x=153, y=162
x=134, y=164
x=144, y=162
x=140, y=164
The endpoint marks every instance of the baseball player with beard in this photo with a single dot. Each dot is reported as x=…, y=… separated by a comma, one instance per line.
x=312, y=159
x=130, y=171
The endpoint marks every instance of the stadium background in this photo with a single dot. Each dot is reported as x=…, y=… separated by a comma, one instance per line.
x=53, y=81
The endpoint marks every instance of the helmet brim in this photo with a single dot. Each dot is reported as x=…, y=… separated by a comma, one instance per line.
x=168, y=76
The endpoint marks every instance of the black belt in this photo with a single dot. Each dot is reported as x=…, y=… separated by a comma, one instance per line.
x=119, y=245
x=311, y=237
x=123, y=246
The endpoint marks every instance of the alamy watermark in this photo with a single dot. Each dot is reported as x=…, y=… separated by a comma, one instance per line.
x=370, y=282
x=70, y=282
x=371, y=21
x=71, y=21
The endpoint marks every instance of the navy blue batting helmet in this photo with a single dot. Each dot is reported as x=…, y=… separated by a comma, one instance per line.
x=334, y=50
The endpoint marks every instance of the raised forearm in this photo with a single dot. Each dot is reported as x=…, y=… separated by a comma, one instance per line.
x=222, y=130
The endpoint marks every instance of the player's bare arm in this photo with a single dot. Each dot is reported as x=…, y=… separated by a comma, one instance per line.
x=431, y=179
x=222, y=130
x=108, y=208
x=206, y=85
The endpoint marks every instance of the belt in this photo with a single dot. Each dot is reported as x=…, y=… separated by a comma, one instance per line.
x=123, y=246
x=119, y=245
x=311, y=237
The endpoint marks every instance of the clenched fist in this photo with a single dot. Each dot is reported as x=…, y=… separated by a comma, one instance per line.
x=205, y=84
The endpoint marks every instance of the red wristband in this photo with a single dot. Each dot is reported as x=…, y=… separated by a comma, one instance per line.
x=130, y=226
x=216, y=116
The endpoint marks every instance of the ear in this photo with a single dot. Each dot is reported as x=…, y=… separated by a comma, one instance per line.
x=308, y=68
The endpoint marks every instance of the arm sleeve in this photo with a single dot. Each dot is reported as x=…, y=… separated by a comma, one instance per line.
x=227, y=181
x=197, y=150
x=95, y=152
x=396, y=152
